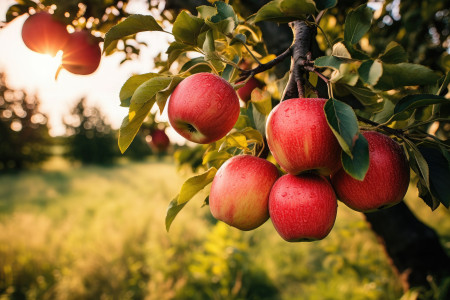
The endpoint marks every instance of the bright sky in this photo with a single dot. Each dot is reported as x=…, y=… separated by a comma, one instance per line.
x=35, y=72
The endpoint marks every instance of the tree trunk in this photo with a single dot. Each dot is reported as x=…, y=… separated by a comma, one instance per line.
x=413, y=247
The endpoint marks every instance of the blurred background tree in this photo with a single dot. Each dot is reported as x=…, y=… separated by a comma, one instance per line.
x=90, y=138
x=24, y=136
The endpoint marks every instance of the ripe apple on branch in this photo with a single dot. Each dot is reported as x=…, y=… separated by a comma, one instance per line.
x=310, y=134
x=43, y=33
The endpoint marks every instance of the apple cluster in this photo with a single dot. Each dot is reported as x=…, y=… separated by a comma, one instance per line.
x=302, y=204
x=43, y=33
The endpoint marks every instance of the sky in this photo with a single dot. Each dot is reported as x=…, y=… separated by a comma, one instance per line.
x=34, y=73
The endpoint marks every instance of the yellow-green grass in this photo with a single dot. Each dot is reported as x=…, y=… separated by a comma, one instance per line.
x=98, y=233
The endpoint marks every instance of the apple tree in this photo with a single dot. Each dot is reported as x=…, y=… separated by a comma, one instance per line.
x=371, y=79
x=368, y=87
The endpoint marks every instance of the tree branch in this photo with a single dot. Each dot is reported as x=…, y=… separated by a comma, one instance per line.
x=264, y=67
x=301, y=52
x=397, y=132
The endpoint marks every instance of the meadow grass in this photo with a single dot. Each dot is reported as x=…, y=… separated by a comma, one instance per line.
x=98, y=233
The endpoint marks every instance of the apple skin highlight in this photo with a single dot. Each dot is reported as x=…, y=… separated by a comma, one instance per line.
x=44, y=34
x=81, y=54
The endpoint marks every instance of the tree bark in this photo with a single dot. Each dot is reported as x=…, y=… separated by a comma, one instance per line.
x=414, y=248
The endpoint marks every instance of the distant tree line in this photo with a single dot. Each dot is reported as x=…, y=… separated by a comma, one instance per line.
x=25, y=141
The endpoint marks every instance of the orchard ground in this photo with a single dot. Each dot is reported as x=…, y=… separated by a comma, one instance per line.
x=89, y=233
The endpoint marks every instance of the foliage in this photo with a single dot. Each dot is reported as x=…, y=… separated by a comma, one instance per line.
x=90, y=138
x=24, y=137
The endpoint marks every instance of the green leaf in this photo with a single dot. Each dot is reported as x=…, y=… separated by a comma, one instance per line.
x=225, y=27
x=131, y=25
x=370, y=71
x=418, y=162
x=132, y=122
x=329, y=62
x=149, y=88
x=348, y=74
x=439, y=173
x=257, y=119
x=298, y=8
x=230, y=70
x=187, y=28
x=324, y=4
x=358, y=165
x=394, y=54
x=224, y=12
x=163, y=95
x=426, y=195
x=130, y=86
x=342, y=120
x=262, y=100
x=235, y=139
x=252, y=135
x=272, y=12
x=242, y=122
x=269, y=11
x=354, y=52
x=405, y=74
x=212, y=157
x=238, y=38
x=172, y=211
x=357, y=23
x=341, y=51
x=366, y=96
x=195, y=184
x=413, y=101
x=176, y=49
x=196, y=65
x=206, y=11
x=445, y=82
x=210, y=52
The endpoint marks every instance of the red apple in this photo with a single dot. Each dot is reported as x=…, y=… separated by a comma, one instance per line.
x=240, y=191
x=245, y=92
x=44, y=34
x=82, y=53
x=302, y=207
x=203, y=108
x=300, y=139
x=386, y=180
x=160, y=141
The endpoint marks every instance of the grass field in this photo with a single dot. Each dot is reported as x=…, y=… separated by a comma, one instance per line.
x=98, y=233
